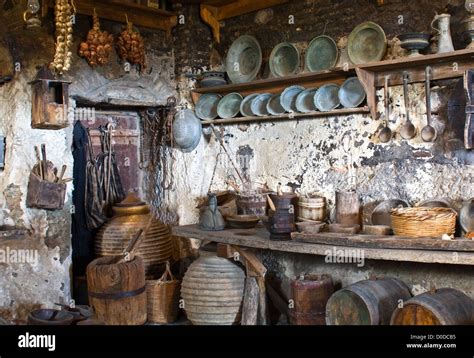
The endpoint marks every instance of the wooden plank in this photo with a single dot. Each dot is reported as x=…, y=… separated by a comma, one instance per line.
x=386, y=242
x=288, y=116
x=250, y=304
x=252, y=262
x=269, y=84
x=262, y=316
x=425, y=60
x=242, y=7
x=259, y=238
x=139, y=15
x=367, y=79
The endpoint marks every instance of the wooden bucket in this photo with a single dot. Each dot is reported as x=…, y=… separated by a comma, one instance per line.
x=163, y=298
x=117, y=292
x=446, y=306
x=368, y=302
x=312, y=208
x=348, y=208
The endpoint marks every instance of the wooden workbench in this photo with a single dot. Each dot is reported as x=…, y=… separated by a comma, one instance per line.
x=391, y=248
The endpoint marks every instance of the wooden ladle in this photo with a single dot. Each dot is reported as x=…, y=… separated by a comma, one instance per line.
x=428, y=133
x=408, y=130
x=386, y=133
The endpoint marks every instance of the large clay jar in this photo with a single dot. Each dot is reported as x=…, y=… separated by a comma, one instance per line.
x=212, y=290
x=130, y=215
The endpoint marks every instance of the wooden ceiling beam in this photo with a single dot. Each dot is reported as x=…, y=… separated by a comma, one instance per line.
x=139, y=15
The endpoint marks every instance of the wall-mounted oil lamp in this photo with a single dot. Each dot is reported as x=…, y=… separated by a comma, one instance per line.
x=50, y=101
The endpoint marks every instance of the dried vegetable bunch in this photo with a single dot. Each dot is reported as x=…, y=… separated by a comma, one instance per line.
x=131, y=47
x=98, y=45
x=63, y=11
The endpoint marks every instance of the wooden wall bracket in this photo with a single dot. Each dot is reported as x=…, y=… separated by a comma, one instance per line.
x=214, y=11
x=444, y=66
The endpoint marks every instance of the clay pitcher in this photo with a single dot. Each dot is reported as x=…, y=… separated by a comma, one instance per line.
x=445, y=42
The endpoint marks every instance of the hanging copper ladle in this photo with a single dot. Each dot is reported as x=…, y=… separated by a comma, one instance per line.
x=428, y=133
x=408, y=130
x=386, y=133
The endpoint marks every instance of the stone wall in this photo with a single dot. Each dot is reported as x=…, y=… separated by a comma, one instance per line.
x=328, y=154
x=26, y=286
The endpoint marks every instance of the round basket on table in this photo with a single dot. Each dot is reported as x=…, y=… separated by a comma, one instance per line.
x=423, y=221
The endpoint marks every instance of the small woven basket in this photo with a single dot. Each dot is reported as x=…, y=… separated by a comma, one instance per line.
x=423, y=222
x=163, y=298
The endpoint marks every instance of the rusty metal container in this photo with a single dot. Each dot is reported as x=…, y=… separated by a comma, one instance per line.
x=445, y=306
x=310, y=294
x=129, y=216
x=212, y=290
x=348, y=208
x=368, y=302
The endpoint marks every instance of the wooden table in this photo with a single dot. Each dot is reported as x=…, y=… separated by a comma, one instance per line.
x=391, y=248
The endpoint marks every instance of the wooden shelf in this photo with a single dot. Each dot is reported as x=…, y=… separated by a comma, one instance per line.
x=115, y=10
x=288, y=116
x=277, y=85
x=444, y=66
x=258, y=238
x=214, y=11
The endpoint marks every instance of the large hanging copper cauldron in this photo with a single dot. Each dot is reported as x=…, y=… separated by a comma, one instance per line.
x=129, y=216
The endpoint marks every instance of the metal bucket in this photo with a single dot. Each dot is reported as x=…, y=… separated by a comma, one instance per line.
x=274, y=106
x=187, y=130
x=288, y=98
x=322, y=54
x=206, y=108
x=305, y=101
x=229, y=105
x=352, y=93
x=259, y=104
x=244, y=59
x=284, y=60
x=245, y=109
x=327, y=97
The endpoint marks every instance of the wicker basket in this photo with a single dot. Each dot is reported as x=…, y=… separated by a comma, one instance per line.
x=163, y=298
x=423, y=222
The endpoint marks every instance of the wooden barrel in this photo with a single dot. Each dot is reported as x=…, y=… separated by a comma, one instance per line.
x=348, y=208
x=312, y=208
x=117, y=291
x=368, y=302
x=251, y=203
x=446, y=306
x=310, y=294
x=281, y=224
x=284, y=201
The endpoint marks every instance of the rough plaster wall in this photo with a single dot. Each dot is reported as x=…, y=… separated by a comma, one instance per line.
x=24, y=287
x=315, y=155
